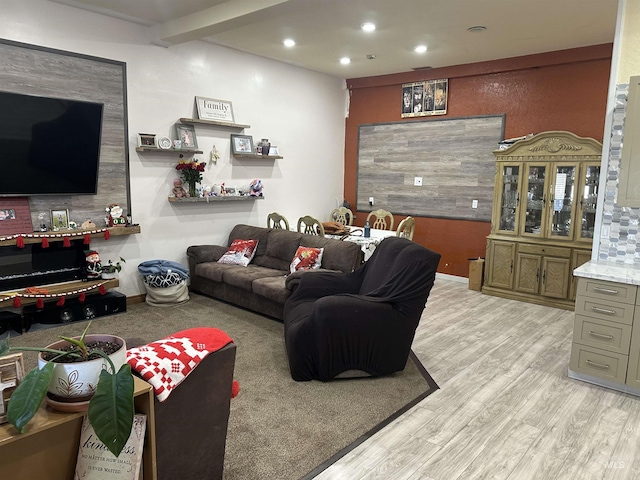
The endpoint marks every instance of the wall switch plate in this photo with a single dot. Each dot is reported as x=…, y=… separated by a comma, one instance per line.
x=371, y=201
x=474, y=203
x=417, y=181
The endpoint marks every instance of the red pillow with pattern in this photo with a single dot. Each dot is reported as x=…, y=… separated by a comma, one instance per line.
x=306, y=258
x=240, y=252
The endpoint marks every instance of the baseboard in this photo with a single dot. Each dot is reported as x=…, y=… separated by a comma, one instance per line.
x=136, y=299
x=452, y=278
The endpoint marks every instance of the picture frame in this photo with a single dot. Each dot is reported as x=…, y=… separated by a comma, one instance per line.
x=216, y=110
x=147, y=140
x=187, y=136
x=11, y=374
x=15, y=216
x=420, y=99
x=242, y=144
x=59, y=219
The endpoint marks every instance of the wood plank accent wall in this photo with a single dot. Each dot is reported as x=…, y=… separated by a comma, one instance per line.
x=453, y=156
x=35, y=70
x=563, y=90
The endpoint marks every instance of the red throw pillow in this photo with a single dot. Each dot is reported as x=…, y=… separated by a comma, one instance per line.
x=306, y=258
x=240, y=252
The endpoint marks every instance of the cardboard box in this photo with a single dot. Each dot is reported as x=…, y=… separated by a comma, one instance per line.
x=476, y=273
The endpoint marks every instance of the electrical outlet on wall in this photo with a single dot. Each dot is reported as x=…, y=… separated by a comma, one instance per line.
x=474, y=203
x=417, y=181
x=371, y=201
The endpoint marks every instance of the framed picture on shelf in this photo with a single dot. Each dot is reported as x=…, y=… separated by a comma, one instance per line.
x=187, y=136
x=147, y=140
x=214, y=109
x=15, y=216
x=241, y=144
x=59, y=219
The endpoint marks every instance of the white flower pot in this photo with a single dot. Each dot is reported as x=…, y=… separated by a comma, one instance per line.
x=108, y=275
x=78, y=380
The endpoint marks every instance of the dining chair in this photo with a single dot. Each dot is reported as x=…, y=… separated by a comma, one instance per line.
x=341, y=215
x=380, y=219
x=406, y=228
x=310, y=226
x=277, y=221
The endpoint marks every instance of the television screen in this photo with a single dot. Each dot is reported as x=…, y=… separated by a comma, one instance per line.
x=48, y=146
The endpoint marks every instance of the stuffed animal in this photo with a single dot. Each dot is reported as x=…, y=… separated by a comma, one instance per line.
x=94, y=267
x=256, y=188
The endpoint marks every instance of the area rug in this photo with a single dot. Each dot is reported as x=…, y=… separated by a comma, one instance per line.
x=278, y=428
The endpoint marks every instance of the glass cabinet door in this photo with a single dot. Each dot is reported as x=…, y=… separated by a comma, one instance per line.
x=509, y=198
x=563, y=202
x=588, y=198
x=535, y=190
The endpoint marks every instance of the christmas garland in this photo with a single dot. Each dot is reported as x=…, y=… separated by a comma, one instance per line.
x=66, y=237
x=43, y=293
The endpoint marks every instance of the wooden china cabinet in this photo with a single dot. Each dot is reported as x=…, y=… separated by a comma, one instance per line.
x=543, y=217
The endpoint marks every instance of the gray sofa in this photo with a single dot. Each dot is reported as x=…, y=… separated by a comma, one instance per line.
x=265, y=284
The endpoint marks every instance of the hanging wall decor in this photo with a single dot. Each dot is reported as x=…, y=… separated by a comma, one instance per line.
x=420, y=99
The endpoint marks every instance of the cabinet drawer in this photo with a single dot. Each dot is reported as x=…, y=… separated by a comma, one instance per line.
x=621, y=292
x=599, y=363
x=544, y=250
x=605, y=310
x=610, y=336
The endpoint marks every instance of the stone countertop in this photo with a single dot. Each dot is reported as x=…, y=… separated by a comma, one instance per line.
x=611, y=272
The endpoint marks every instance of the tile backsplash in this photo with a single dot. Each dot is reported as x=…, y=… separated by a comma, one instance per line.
x=620, y=245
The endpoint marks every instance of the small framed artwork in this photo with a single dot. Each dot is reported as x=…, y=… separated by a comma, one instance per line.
x=59, y=219
x=15, y=216
x=187, y=136
x=426, y=98
x=241, y=144
x=11, y=374
x=214, y=110
x=147, y=140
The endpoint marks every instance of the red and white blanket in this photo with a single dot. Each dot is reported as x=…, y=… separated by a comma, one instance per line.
x=167, y=362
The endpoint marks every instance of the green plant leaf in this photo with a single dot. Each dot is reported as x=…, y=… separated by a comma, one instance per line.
x=111, y=408
x=27, y=397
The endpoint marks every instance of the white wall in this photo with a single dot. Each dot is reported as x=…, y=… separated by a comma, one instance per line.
x=300, y=111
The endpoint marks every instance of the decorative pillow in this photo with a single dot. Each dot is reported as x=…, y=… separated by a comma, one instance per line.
x=306, y=258
x=240, y=252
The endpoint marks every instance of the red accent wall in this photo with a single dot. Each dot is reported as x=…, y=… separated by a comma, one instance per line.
x=564, y=90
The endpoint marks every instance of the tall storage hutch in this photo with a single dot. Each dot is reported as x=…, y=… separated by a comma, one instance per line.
x=543, y=217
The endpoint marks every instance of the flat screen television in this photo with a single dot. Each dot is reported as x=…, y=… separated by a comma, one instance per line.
x=48, y=146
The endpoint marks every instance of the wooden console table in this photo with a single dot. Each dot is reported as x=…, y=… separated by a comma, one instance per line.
x=49, y=447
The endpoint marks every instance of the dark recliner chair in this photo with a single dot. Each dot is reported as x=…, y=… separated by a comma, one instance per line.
x=364, y=320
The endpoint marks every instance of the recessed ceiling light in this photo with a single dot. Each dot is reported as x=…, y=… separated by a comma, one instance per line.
x=477, y=28
x=371, y=56
x=368, y=27
x=289, y=42
x=345, y=60
x=420, y=49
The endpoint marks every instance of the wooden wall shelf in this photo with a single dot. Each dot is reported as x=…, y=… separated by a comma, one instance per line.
x=168, y=150
x=36, y=237
x=227, y=198
x=57, y=289
x=257, y=155
x=214, y=123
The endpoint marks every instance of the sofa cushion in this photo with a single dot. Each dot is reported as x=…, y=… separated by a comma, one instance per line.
x=273, y=288
x=213, y=270
x=240, y=252
x=338, y=255
x=281, y=246
x=244, y=277
x=249, y=232
x=306, y=258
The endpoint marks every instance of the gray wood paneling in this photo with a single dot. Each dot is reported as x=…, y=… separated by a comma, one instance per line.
x=453, y=156
x=34, y=70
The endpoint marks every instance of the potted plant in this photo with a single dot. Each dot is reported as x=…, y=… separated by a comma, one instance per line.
x=111, y=407
x=109, y=270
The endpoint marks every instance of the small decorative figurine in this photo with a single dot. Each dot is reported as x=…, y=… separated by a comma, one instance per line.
x=178, y=190
x=256, y=188
x=88, y=225
x=115, y=216
x=94, y=267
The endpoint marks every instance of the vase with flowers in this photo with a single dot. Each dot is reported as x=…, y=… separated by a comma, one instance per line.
x=191, y=172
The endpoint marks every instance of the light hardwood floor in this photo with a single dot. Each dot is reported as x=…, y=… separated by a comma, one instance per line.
x=506, y=408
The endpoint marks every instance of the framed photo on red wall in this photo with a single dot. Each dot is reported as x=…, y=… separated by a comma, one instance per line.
x=15, y=216
x=421, y=99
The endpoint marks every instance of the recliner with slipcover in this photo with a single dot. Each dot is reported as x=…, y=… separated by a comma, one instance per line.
x=364, y=320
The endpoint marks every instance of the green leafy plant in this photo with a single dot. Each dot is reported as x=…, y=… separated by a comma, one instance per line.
x=111, y=407
x=111, y=267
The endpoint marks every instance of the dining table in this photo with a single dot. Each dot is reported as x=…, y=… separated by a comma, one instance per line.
x=367, y=244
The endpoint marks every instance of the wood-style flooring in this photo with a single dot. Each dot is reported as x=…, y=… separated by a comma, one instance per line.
x=506, y=408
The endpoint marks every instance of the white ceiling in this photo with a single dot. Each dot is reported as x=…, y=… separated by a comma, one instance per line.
x=326, y=30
